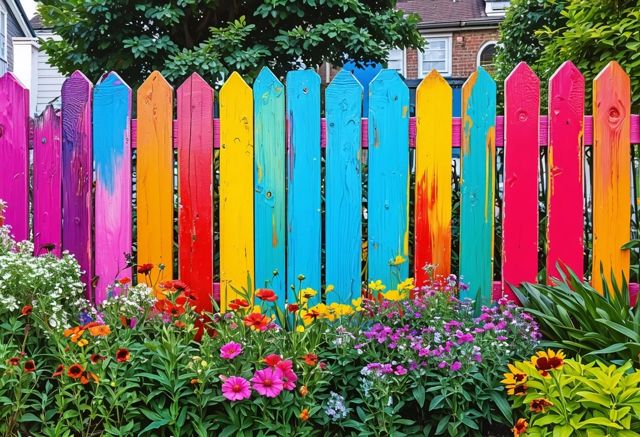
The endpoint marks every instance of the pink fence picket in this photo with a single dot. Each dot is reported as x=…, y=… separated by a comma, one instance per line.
x=47, y=182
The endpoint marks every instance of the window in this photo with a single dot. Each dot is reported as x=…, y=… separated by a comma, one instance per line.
x=396, y=60
x=3, y=40
x=486, y=55
x=436, y=55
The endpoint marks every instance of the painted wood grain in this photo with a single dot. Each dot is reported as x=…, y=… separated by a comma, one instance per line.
x=565, y=205
x=236, y=189
x=47, y=182
x=195, y=188
x=521, y=152
x=388, y=179
x=112, y=161
x=611, y=175
x=14, y=154
x=434, y=107
x=303, y=171
x=343, y=188
x=77, y=173
x=477, y=185
x=269, y=182
x=154, y=174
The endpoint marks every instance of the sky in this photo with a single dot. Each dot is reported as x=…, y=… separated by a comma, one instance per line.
x=29, y=7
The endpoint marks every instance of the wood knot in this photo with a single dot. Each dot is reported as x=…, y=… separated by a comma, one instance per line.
x=614, y=114
x=523, y=115
x=1, y=130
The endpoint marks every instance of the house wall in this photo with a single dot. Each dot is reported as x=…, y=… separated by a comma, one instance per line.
x=13, y=30
x=49, y=79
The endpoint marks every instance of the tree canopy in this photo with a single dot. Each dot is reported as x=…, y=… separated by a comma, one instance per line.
x=216, y=37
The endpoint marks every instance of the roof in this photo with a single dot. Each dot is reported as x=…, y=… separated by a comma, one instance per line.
x=20, y=15
x=438, y=11
x=36, y=22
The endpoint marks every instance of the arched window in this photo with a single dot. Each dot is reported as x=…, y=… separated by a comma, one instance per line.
x=486, y=55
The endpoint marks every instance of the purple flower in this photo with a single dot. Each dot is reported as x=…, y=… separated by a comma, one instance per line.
x=442, y=365
x=464, y=337
x=501, y=338
x=455, y=366
x=400, y=370
x=230, y=350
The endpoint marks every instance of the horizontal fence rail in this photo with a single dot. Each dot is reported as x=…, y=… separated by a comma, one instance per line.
x=293, y=199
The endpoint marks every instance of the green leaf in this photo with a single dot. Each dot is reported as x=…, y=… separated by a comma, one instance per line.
x=418, y=394
x=155, y=425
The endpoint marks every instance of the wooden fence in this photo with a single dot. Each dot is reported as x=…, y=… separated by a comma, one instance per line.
x=271, y=197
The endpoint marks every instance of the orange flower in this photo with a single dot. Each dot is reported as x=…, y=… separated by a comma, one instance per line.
x=539, y=405
x=100, y=331
x=124, y=281
x=256, y=321
x=520, y=427
x=266, y=295
x=30, y=366
x=311, y=359
x=71, y=331
x=236, y=304
x=96, y=358
x=304, y=415
x=304, y=391
x=75, y=371
x=122, y=355
x=26, y=310
x=180, y=324
x=84, y=378
x=59, y=371
x=145, y=269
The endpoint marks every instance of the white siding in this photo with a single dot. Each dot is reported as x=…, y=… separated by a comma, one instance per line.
x=49, y=79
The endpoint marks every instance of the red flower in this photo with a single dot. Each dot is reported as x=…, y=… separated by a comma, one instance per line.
x=96, y=358
x=59, y=371
x=124, y=281
x=179, y=285
x=322, y=365
x=520, y=427
x=266, y=295
x=180, y=324
x=272, y=360
x=293, y=307
x=311, y=359
x=14, y=361
x=256, y=321
x=30, y=366
x=75, y=371
x=145, y=269
x=203, y=323
x=26, y=310
x=236, y=304
x=122, y=355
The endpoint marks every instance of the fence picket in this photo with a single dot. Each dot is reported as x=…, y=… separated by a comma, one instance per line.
x=112, y=160
x=434, y=107
x=303, y=169
x=14, y=154
x=388, y=203
x=47, y=182
x=155, y=174
x=611, y=175
x=195, y=188
x=236, y=189
x=477, y=185
x=565, y=204
x=343, y=188
x=77, y=173
x=269, y=179
x=521, y=152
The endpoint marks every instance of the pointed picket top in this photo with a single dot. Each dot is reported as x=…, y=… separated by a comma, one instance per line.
x=522, y=74
x=112, y=79
x=9, y=76
x=478, y=77
x=566, y=72
x=77, y=77
x=344, y=78
x=613, y=71
x=191, y=82
x=155, y=78
x=386, y=77
x=235, y=81
x=267, y=80
x=433, y=80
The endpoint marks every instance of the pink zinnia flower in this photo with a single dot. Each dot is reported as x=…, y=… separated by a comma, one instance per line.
x=268, y=382
x=285, y=365
x=289, y=379
x=236, y=388
x=230, y=350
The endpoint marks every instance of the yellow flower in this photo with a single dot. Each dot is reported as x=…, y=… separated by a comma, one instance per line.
x=329, y=288
x=257, y=309
x=549, y=360
x=340, y=310
x=376, y=285
x=399, y=259
x=323, y=311
x=515, y=381
x=406, y=285
x=300, y=328
x=83, y=342
x=357, y=304
x=306, y=294
x=394, y=295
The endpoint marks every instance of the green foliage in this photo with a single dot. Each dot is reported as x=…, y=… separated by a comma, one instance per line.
x=574, y=316
x=585, y=399
x=216, y=37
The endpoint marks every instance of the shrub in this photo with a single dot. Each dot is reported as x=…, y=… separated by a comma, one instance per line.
x=566, y=397
x=574, y=316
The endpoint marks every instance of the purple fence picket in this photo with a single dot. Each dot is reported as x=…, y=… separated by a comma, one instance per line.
x=47, y=182
x=14, y=154
x=77, y=173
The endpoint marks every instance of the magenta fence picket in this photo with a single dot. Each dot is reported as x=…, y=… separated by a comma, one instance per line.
x=98, y=135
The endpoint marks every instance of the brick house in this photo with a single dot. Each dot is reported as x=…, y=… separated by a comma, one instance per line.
x=460, y=35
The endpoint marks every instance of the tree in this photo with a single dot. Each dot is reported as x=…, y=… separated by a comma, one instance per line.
x=216, y=37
